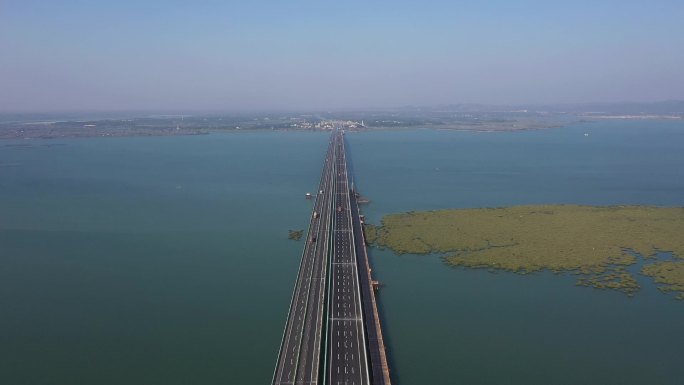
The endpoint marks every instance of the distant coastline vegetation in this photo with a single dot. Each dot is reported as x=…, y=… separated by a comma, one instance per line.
x=598, y=243
x=462, y=117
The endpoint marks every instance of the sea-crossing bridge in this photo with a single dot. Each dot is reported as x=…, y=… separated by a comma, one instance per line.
x=333, y=334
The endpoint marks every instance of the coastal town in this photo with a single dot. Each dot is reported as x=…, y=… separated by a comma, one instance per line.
x=484, y=118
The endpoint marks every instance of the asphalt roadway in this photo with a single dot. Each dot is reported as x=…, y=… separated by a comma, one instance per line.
x=298, y=359
x=324, y=337
x=347, y=361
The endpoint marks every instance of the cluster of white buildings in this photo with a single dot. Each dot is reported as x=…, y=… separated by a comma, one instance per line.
x=328, y=125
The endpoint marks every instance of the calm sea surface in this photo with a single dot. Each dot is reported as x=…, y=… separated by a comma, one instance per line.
x=166, y=260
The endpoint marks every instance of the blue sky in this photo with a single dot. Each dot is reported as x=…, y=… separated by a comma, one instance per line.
x=227, y=55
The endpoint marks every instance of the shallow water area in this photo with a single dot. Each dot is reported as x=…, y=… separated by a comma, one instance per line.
x=167, y=260
x=150, y=260
x=456, y=325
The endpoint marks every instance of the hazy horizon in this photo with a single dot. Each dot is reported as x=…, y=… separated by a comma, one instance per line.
x=304, y=56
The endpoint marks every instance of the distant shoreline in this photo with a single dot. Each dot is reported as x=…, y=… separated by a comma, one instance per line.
x=129, y=134
x=181, y=125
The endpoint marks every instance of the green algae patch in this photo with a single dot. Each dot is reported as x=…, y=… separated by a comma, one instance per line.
x=616, y=278
x=370, y=232
x=295, y=235
x=668, y=273
x=596, y=242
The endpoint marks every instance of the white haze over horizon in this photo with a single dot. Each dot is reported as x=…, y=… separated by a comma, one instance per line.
x=176, y=55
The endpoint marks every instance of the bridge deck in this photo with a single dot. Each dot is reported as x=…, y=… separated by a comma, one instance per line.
x=298, y=359
x=333, y=333
x=376, y=344
x=347, y=358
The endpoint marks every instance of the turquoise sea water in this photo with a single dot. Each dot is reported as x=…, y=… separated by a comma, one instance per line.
x=166, y=260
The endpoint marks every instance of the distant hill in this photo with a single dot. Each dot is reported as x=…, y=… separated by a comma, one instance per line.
x=663, y=107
